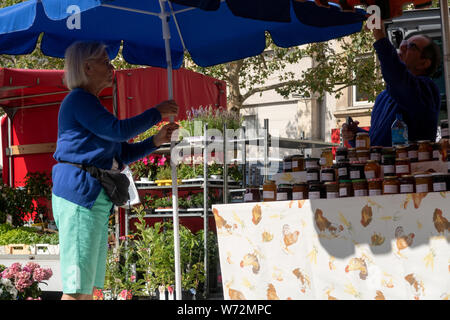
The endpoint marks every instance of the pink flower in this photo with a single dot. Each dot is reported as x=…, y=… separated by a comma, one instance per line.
x=132, y=278
x=16, y=267
x=41, y=274
x=30, y=267
x=152, y=159
x=162, y=161
x=23, y=280
x=145, y=161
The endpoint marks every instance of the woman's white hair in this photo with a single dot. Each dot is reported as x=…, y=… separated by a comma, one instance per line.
x=75, y=57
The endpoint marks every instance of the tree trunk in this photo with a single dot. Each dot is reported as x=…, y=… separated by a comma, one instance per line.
x=235, y=99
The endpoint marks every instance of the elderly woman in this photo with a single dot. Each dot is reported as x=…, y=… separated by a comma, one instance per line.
x=88, y=134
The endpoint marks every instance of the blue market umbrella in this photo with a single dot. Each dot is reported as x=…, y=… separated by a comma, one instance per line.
x=158, y=33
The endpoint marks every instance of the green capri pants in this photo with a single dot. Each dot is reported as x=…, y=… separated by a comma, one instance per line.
x=83, y=243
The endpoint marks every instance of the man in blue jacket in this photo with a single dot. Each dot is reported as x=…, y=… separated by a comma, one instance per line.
x=409, y=90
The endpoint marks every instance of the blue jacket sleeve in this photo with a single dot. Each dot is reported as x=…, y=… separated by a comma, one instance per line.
x=412, y=93
x=131, y=152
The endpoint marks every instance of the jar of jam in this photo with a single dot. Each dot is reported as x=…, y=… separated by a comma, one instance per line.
x=284, y=192
x=311, y=163
x=413, y=152
x=360, y=188
x=444, y=129
x=341, y=153
x=401, y=151
x=362, y=141
x=312, y=174
x=343, y=169
x=352, y=156
x=287, y=164
x=300, y=191
x=316, y=191
x=424, y=182
x=390, y=185
x=327, y=174
x=252, y=194
x=424, y=151
x=402, y=166
x=372, y=169
x=375, y=153
x=436, y=153
x=357, y=170
x=326, y=157
x=332, y=189
x=440, y=181
x=363, y=155
x=298, y=163
x=387, y=151
x=407, y=184
x=269, y=191
x=375, y=186
x=345, y=189
x=388, y=165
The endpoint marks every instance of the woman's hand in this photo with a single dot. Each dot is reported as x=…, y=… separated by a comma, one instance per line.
x=168, y=108
x=164, y=135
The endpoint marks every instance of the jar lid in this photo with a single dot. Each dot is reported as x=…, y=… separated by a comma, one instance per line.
x=330, y=183
x=388, y=149
x=423, y=141
x=351, y=149
x=375, y=180
x=359, y=180
x=362, y=133
x=362, y=150
x=372, y=161
x=300, y=184
x=345, y=181
x=376, y=147
x=406, y=176
x=357, y=162
x=312, y=159
x=285, y=185
x=390, y=177
x=402, y=159
x=440, y=174
x=389, y=156
x=297, y=156
x=270, y=181
x=427, y=175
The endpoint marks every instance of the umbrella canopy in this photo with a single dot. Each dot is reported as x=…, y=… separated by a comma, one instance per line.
x=210, y=37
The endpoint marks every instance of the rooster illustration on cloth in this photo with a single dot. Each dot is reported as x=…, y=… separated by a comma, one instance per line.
x=323, y=224
x=440, y=222
x=403, y=241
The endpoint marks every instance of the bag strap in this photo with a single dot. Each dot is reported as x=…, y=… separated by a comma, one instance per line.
x=93, y=171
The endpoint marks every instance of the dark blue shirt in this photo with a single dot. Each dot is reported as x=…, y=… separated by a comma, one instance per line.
x=417, y=98
x=89, y=134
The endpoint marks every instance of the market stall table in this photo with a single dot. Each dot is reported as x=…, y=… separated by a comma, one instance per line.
x=381, y=247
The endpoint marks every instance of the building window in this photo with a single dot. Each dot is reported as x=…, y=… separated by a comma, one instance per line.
x=359, y=96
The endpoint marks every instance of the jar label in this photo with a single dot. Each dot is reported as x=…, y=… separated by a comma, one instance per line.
x=413, y=154
x=314, y=195
x=422, y=188
x=355, y=175
x=281, y=196
x=402, y=168
x=403, y=155
x=439, y=186
x=436, y=154
x=342, y=192
x=332, y=195
x=374, y=192
x=360, y=143
x=248, y=197
x=327, y=177
x=406, y=188
x=423, y=156
x=444, y=133
x=363, y=159
x=297, y=195
x=311, y=165
x=268, y=194
x=353, y=159
x=323, y=161
x=312, y=176
x=294, y=164
x=339, y=158
x=370, y=174
x=287, y=165
x=375, y=156
x=361, y=193
x=343, y=171
x=390, y=189
x=388, y=169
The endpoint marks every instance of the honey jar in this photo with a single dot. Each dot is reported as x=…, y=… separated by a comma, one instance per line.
x=316, y=191
x=372, y=169
x=390, y=185
x=444, y=129
x=424, y=182
x=352, y=156
x=298, y=163
x=413, y=154
x=332, y=189
x=362, y=141
x=327, y=174
x=284, y=192
x=341, y=153
x=375, y=153
x=375, y=186
x=360, y=188
x=402, y=166
x=436, y=153
x=345, y=189
x=388, y=165
x=252, y=194
x=269, y=191
x=401, y=151
x=311, y=163
x=363, y=155
x=300, y=191
x=312, y=174
x=440, y=181
x=326, y=157
x=407, y=184
x=424, y=151
x=343, y=169
x=287, y=164
x=357, y=170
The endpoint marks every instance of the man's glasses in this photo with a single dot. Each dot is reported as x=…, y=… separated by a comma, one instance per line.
x=410, y=45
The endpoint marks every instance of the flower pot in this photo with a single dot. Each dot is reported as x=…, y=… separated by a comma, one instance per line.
x=144, y=179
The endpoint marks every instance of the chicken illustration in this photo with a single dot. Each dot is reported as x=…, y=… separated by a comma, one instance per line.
x=256, y=214
x=289, y=238
x=220, y=221
x=440, y=222
x=417, y=198
x=415, y=284
x=323, y=224
x=250, y=259
x=272, y=293
x=358, y=264
x=366, y=215
x=235, y=294
x=304, y=279
x=403, y=241
x=380, y=296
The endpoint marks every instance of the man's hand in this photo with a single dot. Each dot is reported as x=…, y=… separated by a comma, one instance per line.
x=168, y=108
x=164, y=135
x=349, y=130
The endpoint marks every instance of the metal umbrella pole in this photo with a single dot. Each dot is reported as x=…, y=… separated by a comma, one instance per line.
x=445, y=25
x=176, y=234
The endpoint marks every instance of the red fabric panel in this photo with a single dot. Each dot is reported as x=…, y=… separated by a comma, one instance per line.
x=5, y=169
